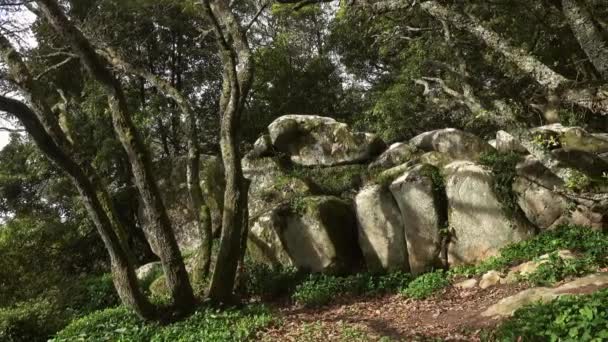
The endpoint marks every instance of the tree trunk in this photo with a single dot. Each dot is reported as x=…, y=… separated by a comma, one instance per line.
x=588, y=35
x=200, y=209
x=160, y=225
x=123, y=272
x=237, y=75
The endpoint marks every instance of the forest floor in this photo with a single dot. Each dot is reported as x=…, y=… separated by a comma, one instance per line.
x=452, y=314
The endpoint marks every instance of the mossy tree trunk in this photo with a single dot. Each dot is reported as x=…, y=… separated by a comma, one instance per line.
x=199, y=207
x=123, y=272
x=139, y=158
x=237, y=75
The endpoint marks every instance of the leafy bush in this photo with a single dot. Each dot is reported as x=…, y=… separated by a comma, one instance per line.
x=319, y=290
x=568, y=318
x=119, y=324
x=336, y=180
x=268, y=282
x=557, y=268
x=426, y=285
x=94, y=293
x=30, y=321
x=593, y=245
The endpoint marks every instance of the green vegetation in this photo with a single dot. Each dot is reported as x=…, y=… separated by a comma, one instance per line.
x=592, y=245
x=426, y=285
x=319, y=290
x=119, y=324
x=503, y=168
x=568, y=318
x=557, y=268
x=336, y=180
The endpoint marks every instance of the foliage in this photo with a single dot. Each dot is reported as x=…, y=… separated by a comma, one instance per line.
x=337, y=180
x=268, y=282
x=568, y=318
x=503, y=168
x=206, y=324
x=577, y=180
x=426, y=285
x=557, y=268
x=320, y=290
x=593, y=245
x=31, y=321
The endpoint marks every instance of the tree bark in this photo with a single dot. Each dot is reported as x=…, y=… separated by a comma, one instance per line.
x=159, y=223
x=237, y=76
x=199, y=207
x=588, y=35
x=123, y=273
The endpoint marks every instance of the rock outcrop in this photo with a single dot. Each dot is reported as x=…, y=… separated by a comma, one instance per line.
x=315, y=140
x=457, y=144
x=421, y=210
x=478, y=223
x=381, y=234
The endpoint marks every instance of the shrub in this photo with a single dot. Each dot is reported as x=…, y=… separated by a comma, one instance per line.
x=119, y=324
x=94, y=293
x=31, y=321
x=593, y=245
x=556, y=269
x=568, y=318
x=270, y=282
x=426, y=285
x=320, y=290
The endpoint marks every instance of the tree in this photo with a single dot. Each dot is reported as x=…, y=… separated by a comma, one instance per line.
x=237, y=77
x=173, y=266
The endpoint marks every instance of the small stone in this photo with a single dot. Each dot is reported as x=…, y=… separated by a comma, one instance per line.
x=490, y=279
x=466, y=284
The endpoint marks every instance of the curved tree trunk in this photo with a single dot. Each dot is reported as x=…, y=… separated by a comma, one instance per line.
x=123, y=272
x=159, y=223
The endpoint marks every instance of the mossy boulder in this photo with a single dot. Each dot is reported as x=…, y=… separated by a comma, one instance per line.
x=397, y=154
x=479, y=226
x=311, y=140
x=315, y=234
x=457, y=144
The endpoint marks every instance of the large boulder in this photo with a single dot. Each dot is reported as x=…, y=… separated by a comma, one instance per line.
x=321, y=235
x=381, y=235
x=422, y=211
x=478, y=223
x=264, y=244
x=315, y=140
x=535, y=187
x=459, y=145
x=314, y=234
x=397, y=154
x=270, y=186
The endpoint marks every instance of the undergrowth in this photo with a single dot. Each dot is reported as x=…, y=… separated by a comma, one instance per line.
x=426, y=285
x=591, y=245
x=319, y=290
x=568, y=318
x=119, y=324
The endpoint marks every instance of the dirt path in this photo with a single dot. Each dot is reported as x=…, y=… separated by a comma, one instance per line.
x=452, y=315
